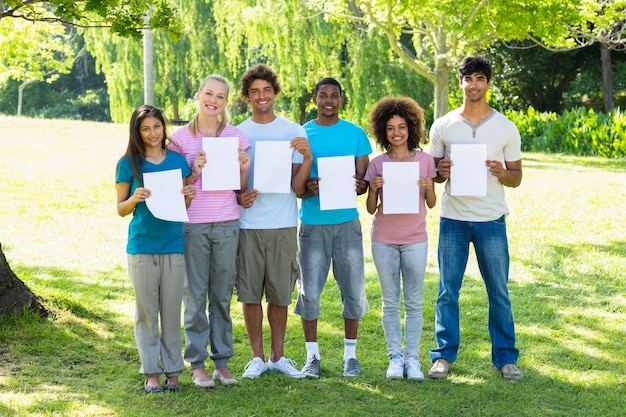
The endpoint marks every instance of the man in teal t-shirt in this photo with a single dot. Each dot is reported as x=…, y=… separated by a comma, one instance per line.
x=332, y=235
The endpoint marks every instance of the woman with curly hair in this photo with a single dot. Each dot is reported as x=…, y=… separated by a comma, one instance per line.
x=400, y=241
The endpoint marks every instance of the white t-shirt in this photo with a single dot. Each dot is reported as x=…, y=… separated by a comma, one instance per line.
x=271, y=210
x=503, y=144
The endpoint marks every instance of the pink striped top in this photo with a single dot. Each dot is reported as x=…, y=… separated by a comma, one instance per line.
x=208, y=206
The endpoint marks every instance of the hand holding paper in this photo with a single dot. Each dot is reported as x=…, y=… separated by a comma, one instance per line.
x=166, y=202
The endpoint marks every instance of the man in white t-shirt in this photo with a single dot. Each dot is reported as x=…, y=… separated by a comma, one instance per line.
x=268, y=222
x=479, y=220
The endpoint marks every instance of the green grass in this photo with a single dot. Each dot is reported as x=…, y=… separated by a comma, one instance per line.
x=62, y=236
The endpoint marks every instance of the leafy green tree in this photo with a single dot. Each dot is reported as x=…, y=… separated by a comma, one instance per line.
x=125, y=18
x=531, y=76
x=122, y=17
x=573, y=25
x=179, y=65
x=303, y=45
x=432, y=36
x=428, y=38
x=33, y=51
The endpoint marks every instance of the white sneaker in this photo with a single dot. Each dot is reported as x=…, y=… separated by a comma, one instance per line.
x=413, y=370
x=254, y=368
x=287, y=367
x=396, y=368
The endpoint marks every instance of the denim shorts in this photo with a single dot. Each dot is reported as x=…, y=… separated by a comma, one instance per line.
x=343, y=245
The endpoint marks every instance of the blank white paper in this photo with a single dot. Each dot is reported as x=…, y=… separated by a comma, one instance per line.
x=400, y=190
x=337, y=186
x=272, y=167
x=166, y=202
x=468, y=174
x=221, y=171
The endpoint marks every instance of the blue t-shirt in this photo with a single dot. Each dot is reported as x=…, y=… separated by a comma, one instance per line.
x=146, y=233
x=341, y=139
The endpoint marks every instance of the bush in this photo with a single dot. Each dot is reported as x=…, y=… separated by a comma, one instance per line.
x=577, y=131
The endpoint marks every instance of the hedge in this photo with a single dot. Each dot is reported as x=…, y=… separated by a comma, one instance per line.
x=577, y=131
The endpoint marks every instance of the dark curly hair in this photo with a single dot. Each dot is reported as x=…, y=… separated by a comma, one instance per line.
x=404, y=107
x=258, y=72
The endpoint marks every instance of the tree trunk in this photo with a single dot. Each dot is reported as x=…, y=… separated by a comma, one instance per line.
x=15, y=297
x=607, y=77
x=148, y=65
x=20, y=96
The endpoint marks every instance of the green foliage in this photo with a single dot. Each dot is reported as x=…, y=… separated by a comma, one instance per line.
x=575, y=132
x=81, y=94
x=121, y=61
x=125, y=18
x=33, y=51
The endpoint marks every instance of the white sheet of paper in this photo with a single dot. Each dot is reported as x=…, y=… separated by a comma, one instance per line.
x=400, y=191
x=337, y=184
x=468, y=175
x=166, y=202
x=221, y=171
x=272, y=167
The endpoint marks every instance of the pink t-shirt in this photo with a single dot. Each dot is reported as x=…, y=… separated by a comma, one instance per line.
x=401, y=229
x=208, y=206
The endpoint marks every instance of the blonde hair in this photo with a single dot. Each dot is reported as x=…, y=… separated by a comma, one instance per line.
x=222, y=118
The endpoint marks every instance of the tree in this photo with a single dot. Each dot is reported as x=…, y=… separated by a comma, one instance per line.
x=304, y=45
x=15, y=297
x=532, y=76
x=429, y=39
x=580, y=25
x=122, y=17
x=179, y=64
x=33, y=51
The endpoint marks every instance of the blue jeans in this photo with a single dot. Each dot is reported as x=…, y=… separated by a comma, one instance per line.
x=410, y=261
x=492, y=253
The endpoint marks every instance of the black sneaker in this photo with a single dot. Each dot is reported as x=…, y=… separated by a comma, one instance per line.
x=351, y=367
x=312, y=367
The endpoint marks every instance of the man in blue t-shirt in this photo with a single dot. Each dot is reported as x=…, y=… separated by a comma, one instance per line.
x=332, y=235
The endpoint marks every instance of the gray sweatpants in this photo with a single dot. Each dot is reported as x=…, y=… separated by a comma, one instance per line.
x=210, y=257
x=158, y=285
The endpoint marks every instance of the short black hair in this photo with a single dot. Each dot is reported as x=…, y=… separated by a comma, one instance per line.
x=475, y=64
x=326, y=81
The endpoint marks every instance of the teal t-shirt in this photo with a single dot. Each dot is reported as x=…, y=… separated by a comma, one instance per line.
x=341, y=139
x=146, y=233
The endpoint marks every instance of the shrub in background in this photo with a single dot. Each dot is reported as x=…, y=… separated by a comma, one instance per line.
x=577, y=131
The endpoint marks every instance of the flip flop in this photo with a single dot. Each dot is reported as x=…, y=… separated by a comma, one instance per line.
x=151, y=390
x=171, y=387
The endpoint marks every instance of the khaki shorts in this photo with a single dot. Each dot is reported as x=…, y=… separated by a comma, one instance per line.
x=267, y=264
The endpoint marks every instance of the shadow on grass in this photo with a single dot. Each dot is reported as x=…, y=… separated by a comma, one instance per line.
x=85, y=361
x=76, y=352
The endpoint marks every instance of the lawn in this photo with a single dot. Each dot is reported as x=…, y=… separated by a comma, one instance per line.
x=62, y=236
